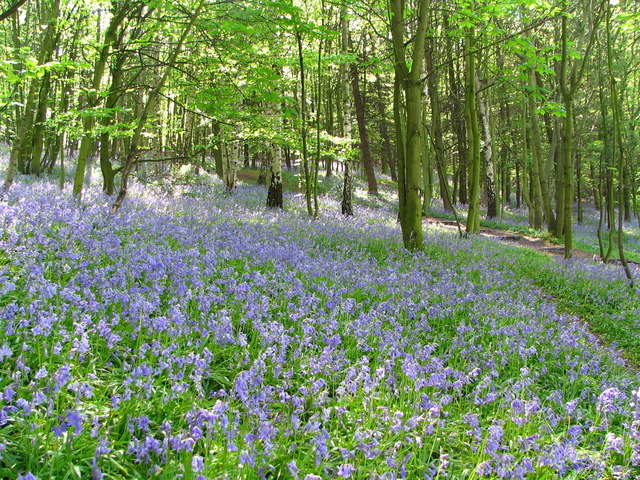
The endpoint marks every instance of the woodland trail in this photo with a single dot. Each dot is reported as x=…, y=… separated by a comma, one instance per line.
x=524, y=241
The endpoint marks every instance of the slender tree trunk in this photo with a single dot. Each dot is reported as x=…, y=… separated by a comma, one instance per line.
x=518, y=187
x=527, y=187
x=617, y=145
x=39, y=125
x=626, y=192
x=536, y=160
x=487, y=152
x=427, y=174
x=274, y=194
x=456, y=95
x=303, y=127
x=365, y=149
x=567, y=166
x=347, y=187
x=578, y=174
x=22, y=148
x=231, y=156
x=106, y=165
x=217, y=150
x=436, y=126
x=265, y=167
x=387, y=151
x=12, y=9
x=569, y=82
x=329, y=125
x=473, y=134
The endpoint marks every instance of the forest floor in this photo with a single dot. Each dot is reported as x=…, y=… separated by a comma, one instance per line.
x=199, y=334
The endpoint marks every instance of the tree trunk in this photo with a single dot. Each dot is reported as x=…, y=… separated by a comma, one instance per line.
x=536, y=161
x=303, y=127
x=618, y=152
x=149, y=105
x=487, y=152
x=473, y=134
x=456, y=95
x=410, y=179
x=427, y=175
x=232, y=154
x=436, y=126
x=22, y=149
x=329, y=125
x=106, y=165
x=274, y=195
x=518, y=188
x=569, y=83
x=347, y=187
x=365, y=150
x=217, y=150
x=92, y=99
x=536, y=148
x=265, y=166
x=387, y=151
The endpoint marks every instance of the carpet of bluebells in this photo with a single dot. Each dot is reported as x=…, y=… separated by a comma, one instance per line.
x=196, y=335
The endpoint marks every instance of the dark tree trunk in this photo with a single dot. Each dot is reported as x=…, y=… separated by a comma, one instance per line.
x=347, y=189
x=365, y=150
x=265, y=167
x=518, y=188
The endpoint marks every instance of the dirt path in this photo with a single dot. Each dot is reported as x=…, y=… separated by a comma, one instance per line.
x=519, y=240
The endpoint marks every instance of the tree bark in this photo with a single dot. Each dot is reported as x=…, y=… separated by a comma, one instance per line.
x=387, y=150
x=617, y=145
x=487, y=152
x=473, y=134
x=409, y=180
x=365, y=149
x=12, y=9
x=347, y=186
x=274, y=194
x=456, y=95
x=436, y=126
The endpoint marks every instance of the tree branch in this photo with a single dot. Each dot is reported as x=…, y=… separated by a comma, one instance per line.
x=12, y=9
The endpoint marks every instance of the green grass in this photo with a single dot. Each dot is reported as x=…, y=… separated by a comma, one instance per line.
x=4, y=258
x=610, y=309
x=587, y=247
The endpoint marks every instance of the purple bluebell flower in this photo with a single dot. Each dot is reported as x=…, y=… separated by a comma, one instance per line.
x=27, y=476
x=346, y=470
x=197, y=463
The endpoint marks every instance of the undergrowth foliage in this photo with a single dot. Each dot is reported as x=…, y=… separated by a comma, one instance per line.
x=199, y=335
